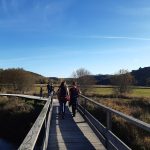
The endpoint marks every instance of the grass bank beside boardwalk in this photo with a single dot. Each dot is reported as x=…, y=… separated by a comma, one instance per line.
x=134, y=137
x=16, y=118
x=136, y=104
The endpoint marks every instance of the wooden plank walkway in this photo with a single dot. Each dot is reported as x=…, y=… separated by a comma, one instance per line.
x=71, y=133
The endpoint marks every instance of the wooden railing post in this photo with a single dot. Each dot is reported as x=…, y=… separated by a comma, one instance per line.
x=35, y=102
x=85, y=104
x=109, y=124
x=109, y=120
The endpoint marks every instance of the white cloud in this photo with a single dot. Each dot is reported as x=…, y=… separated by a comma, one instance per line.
x=36, y=16
x=134, y=11
x=117, y=37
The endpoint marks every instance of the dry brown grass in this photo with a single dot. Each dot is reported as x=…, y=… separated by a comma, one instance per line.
x=17, y=115
x=134, y=137
x=15, y=105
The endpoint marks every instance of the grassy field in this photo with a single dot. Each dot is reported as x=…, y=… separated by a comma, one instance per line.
x=136, y=92
x=94, y=89
x=140, y=92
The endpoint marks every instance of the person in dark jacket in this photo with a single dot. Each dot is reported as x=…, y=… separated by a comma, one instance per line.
x=41, y=91
x=50, y=88
x=62, y=93
x=74, y=93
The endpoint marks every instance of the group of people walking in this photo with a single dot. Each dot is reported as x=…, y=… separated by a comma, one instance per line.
x=50, y=89
x=65, y=94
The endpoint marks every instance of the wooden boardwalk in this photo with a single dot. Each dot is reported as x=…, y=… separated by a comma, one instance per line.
x=71, y=133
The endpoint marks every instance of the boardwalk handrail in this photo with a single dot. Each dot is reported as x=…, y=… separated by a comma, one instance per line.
x=106, y=131
x=32, y=136
x=25, y=96
x=128, y=118
x=43, y=120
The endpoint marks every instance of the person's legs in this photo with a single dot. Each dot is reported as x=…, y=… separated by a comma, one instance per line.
x=64, y=110
x=48, y=93
x=73, y=109
x=61, y=107
x=74, y=106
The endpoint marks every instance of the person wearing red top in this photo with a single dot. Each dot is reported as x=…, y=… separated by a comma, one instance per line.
x=62, y=93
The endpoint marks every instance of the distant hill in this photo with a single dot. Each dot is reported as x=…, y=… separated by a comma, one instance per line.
x=37, y=77
x=141, y=76
x=103, y=79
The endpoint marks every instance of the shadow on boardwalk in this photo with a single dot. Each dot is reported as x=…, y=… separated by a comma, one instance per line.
x=65, y=134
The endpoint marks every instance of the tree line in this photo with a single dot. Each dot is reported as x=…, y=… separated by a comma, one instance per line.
x=22, y=80
x=141, y=77
x=122, y=81
x=18, y=79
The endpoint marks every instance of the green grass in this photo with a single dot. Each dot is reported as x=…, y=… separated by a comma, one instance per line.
x=136, y=92
x=140, y=92
x=100, y=90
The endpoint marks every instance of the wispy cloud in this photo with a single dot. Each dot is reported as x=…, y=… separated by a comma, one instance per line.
x=59, y=55
x=134, y=11
x=36, y=13
x=116, y=37
x=18, y=59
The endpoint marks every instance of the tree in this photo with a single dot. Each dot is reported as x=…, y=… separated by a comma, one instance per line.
x=83, y=77
x=148, y=81
x=123, y=81
x=18, y=78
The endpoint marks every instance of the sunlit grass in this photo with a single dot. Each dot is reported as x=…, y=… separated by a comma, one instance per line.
x=140, y=92
x=100, y=90
x=136, y=92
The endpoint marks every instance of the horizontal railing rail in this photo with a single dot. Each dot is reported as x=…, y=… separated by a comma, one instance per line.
x=106, y=136
x=25, y=96
x=42, y=122
x=32, y=136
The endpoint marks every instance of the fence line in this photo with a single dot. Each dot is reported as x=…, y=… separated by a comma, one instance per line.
x=106, y=136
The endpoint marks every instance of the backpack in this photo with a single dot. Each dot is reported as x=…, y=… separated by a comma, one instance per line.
x=74, y=92
x=63, y=92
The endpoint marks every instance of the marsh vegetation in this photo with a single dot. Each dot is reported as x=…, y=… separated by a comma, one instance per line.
x=17, y=117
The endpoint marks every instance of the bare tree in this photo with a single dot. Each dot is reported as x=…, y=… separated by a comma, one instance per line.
x=123, y=81
x=84, y=78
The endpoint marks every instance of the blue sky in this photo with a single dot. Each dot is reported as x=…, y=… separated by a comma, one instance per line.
x=56, y=37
